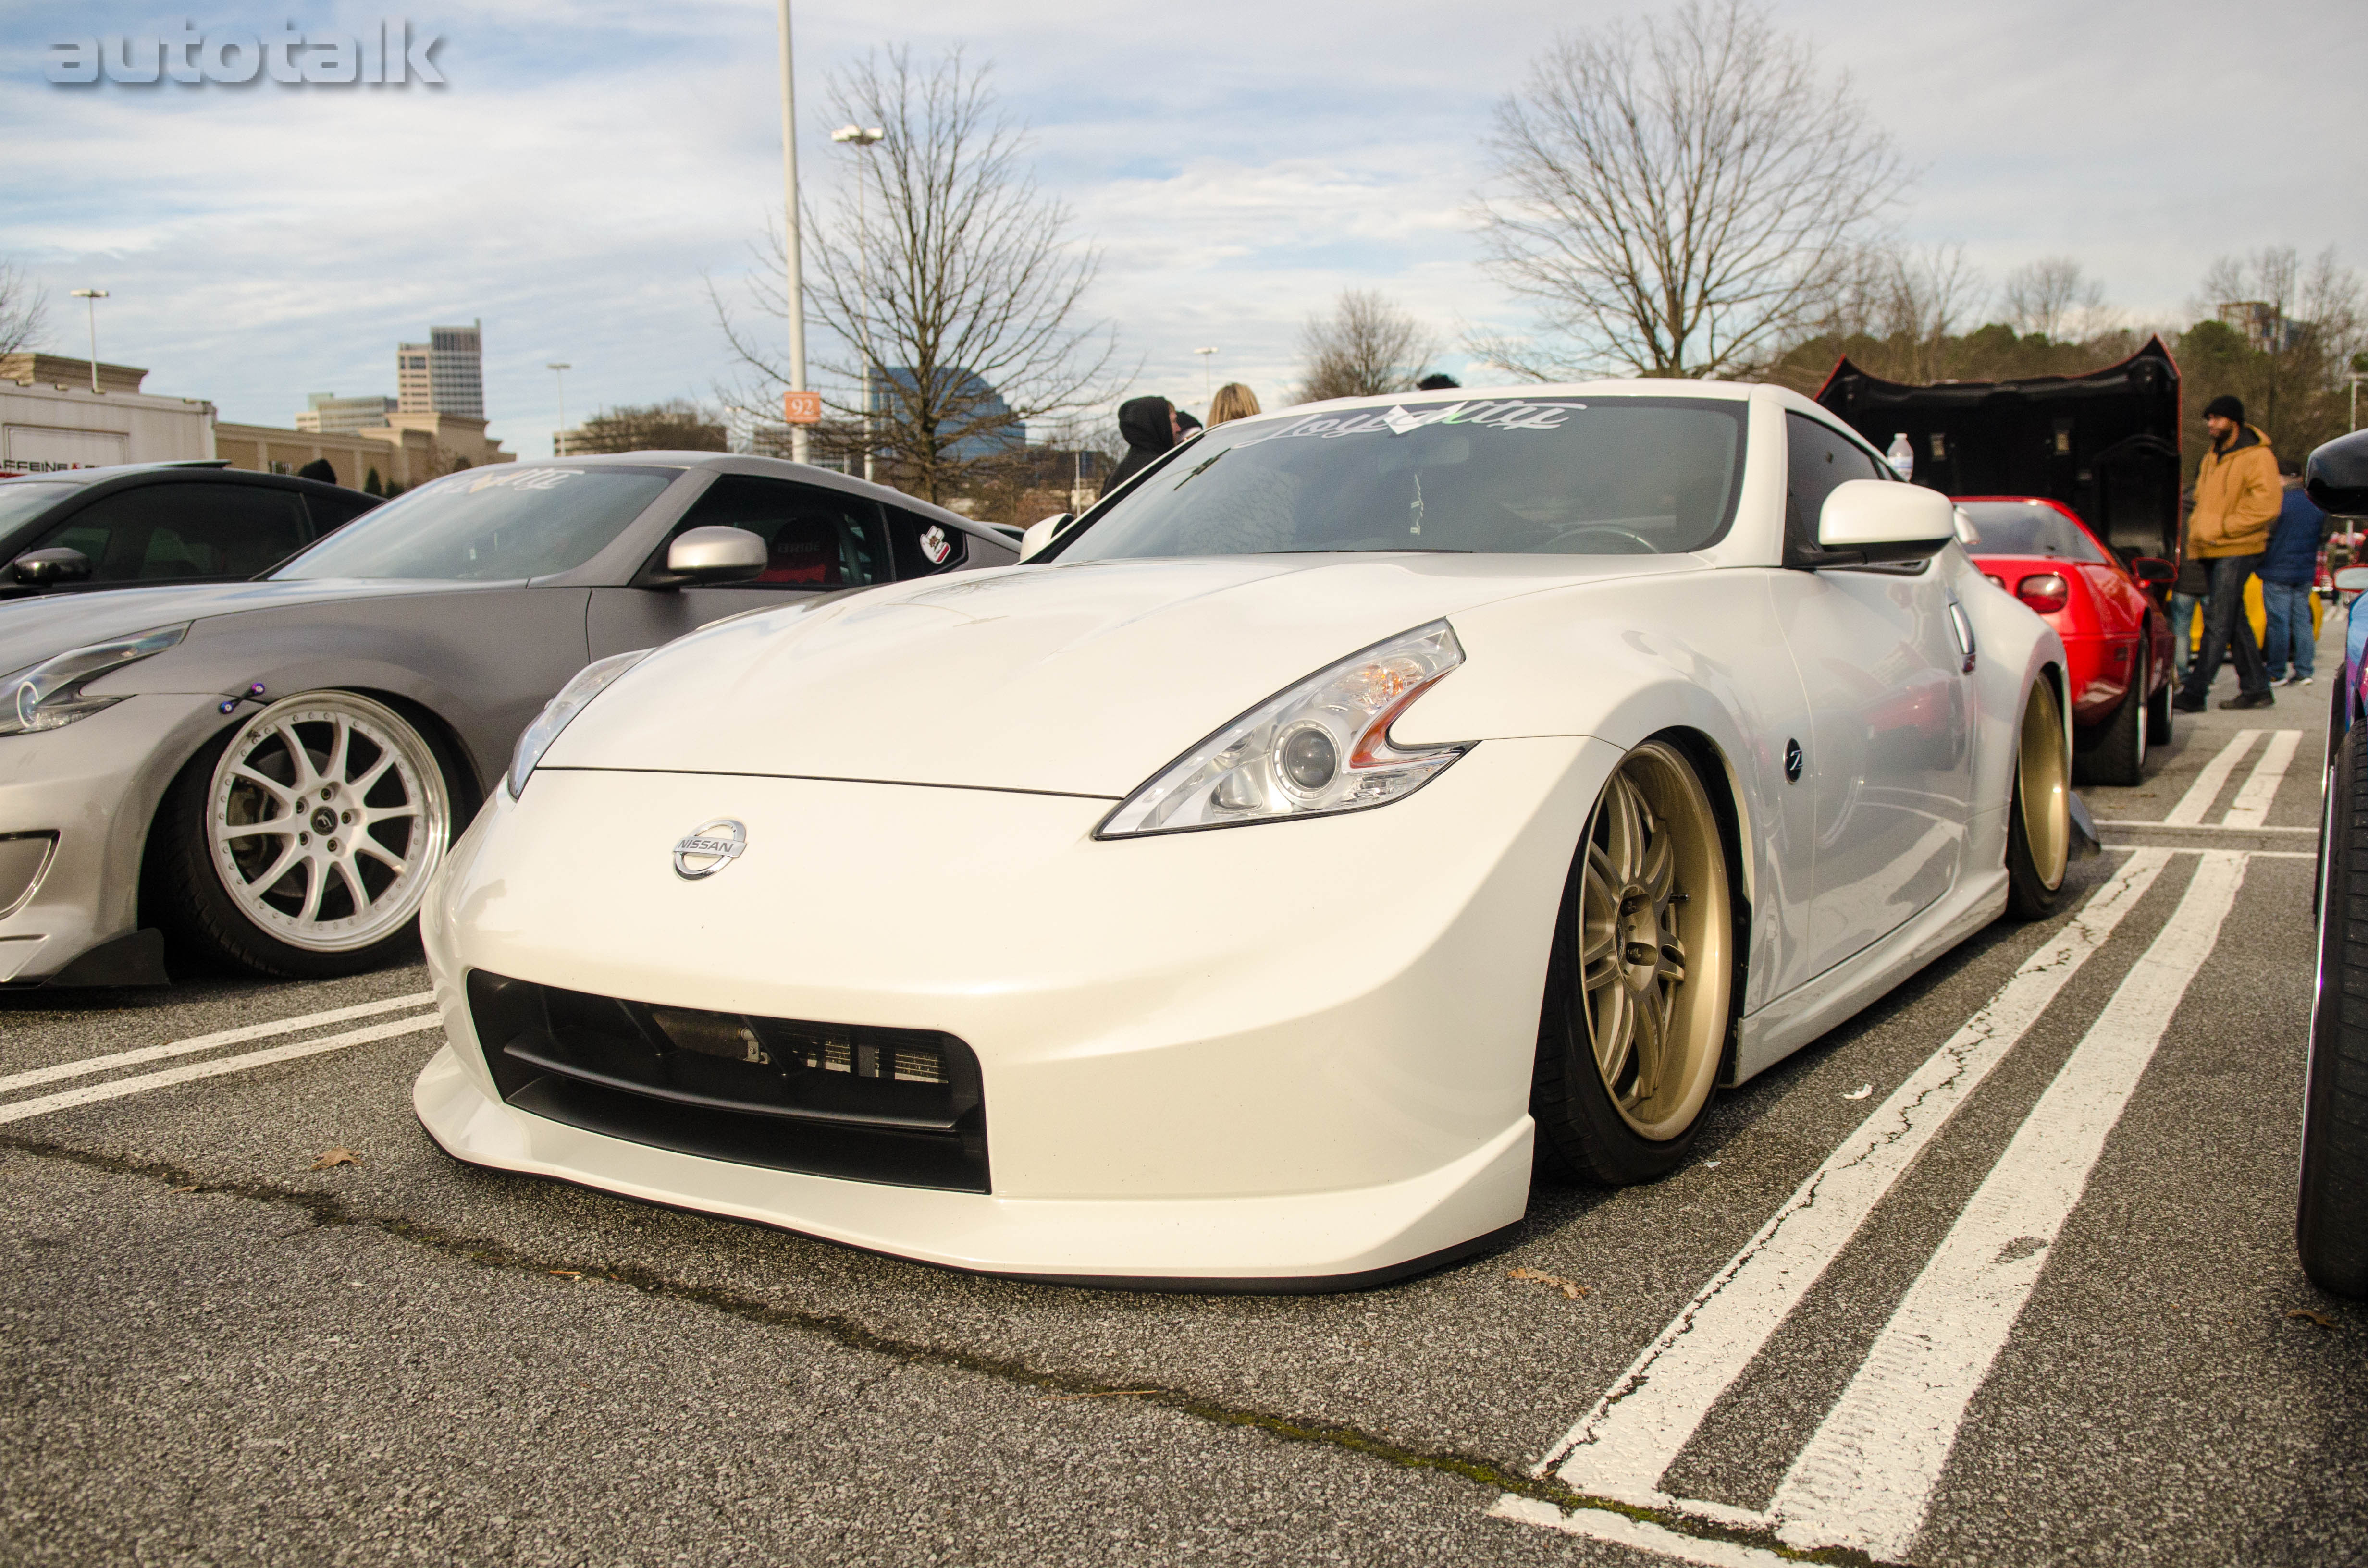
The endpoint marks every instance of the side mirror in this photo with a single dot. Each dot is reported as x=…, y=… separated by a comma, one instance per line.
x=2336, y=478
x=1875, y=519
x=47, y=568
x=2153, y=571
x=1039, y=534
x=715, y=555
x=2353, y=580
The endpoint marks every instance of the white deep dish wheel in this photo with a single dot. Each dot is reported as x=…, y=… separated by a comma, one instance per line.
x=327, y=814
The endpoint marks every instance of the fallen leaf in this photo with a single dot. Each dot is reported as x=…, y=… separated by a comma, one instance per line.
x=2319, y=1318
x=337, y=1157
x=191, y=1188
x=1571, y=1289
x=1098, y=1393
x=1860, y=1093
x=566, y=1273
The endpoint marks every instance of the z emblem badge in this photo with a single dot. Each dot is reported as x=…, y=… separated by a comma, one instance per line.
x=709, y=848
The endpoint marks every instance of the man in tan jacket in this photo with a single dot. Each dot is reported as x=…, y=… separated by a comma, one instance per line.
x=2236, y=498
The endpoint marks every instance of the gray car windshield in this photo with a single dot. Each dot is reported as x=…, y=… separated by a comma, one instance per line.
x=487, y=524
x=1551, y=476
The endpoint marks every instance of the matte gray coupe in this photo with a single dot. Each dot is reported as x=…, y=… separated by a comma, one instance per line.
x=267, y=773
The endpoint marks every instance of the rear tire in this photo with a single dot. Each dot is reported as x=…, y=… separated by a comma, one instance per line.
x=300, y=843
x=2331, y=1217
x=2115, y=751
x=2039, y=812
x=1640, y=981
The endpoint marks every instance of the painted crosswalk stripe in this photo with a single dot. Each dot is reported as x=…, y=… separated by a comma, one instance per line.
x=117, y=1088
x=2251, y=806
x=2198, y=802
x=1601, y=1524
x=146, y=1053
x=1867, y=1476
x=1621, y=1446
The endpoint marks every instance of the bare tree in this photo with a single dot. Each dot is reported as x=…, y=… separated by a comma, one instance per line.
x=2280, y=333
x=1365, y=348
x=1679, y=199
x=2054, y=298
x=677, y=425
x=24, y=310
x=951, y=284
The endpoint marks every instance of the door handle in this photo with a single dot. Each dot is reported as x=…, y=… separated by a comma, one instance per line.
x=1964, y=628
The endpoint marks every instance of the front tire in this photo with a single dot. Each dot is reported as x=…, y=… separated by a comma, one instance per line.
x=1640, y=980
x=2116, y=752
x=301, y=842
x=2332, y=1216
x=2038, y=815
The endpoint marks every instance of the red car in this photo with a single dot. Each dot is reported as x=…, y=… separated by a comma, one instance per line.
x=2116, y=642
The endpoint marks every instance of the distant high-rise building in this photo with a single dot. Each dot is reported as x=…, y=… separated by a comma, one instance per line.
x=326, y=413
x=443, y=375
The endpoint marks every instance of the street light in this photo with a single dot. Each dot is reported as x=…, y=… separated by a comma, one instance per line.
x=796, y=296
x=92, y=297
x=1205, y=361
x=559, y=439
x=862, y=136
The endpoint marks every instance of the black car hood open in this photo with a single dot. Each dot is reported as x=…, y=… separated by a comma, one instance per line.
x=2105, y=444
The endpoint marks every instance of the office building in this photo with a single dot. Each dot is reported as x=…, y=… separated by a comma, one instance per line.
x=326, y=413
x=443, y=375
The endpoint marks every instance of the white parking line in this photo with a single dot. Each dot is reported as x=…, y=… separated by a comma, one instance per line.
x=2200, y=795
x=1601, y=1524
x=1621, y=1446
x=117, y=1088
x=1866, y=1478
x=89, y=1064
x=2251, y=806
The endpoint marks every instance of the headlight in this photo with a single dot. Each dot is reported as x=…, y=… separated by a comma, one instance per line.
x=1318, y=747
x=589, y=682
x=49, y=694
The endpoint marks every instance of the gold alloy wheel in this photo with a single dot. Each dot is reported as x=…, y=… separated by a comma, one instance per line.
x=1654, y=927
x=2044, y=790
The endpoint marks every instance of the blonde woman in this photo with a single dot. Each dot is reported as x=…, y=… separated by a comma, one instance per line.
x=1233, y=401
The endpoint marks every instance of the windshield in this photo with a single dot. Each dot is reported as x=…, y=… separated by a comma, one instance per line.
x=1554, y=476
x=21, y=500
x=482, y=526
x=2027, y=528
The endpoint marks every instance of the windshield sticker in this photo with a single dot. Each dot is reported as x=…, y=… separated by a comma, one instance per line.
x=523, y=479
x=1502, y=413
x=934, y=544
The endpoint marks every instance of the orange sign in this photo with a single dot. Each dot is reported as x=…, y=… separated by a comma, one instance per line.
x=802, y=407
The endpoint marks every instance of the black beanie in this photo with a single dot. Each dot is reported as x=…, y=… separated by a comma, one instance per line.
x=2226, y=407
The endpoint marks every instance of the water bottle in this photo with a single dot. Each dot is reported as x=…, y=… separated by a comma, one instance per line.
x=1902, y=456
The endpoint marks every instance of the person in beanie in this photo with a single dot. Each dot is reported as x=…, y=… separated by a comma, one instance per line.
x=2288, y=569
x=2236, y=499
x=1149, y=426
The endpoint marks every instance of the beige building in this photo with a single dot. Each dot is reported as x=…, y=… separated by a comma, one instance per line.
x=51, y=419
x=404, y=451
x=329, y=414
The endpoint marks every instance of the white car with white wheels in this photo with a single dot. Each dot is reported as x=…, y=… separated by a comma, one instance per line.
x=1362, y=804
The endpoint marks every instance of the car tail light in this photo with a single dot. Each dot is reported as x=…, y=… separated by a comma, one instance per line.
x=2045, y=592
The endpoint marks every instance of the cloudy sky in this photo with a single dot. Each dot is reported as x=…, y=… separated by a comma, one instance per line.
x=587, y=166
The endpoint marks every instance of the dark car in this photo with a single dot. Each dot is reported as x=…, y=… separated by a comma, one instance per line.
x=140, y=524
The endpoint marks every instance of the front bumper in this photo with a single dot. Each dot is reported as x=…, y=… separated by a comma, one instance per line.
x=96, y=784
x=1292, y=1053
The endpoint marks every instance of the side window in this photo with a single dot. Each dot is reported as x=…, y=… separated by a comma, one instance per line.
x=924, y=545
x=162, y=533
x=1816, y=459
x=330, y=513
x=814, y=537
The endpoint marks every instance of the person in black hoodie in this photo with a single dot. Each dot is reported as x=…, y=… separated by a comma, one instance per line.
x=1149, y=426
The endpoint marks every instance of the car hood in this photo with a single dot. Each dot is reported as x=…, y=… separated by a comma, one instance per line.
x=37, y=629
x=1074, y=679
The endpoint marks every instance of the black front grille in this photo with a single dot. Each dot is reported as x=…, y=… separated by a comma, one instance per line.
x=900, y=1106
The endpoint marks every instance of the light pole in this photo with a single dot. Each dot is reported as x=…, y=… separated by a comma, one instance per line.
x=793, y=245
x=1207, y=359
x=559, y=440
x=862, y=136
x=91, y=297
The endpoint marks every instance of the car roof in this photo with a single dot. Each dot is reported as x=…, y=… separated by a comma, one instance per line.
x=205, y=471
x=773, y=468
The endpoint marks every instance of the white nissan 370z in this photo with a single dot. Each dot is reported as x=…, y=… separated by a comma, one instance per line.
x=1364, y=805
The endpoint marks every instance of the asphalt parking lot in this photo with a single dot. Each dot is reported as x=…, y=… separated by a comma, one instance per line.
x=2001, y=1272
